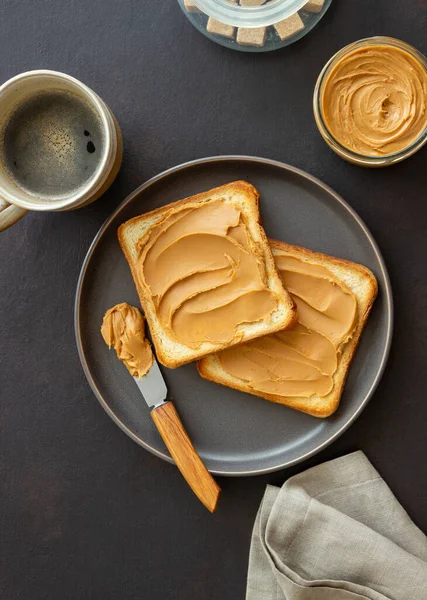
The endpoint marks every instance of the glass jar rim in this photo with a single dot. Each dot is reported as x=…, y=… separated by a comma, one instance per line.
x=344, y=151
x=250, y=16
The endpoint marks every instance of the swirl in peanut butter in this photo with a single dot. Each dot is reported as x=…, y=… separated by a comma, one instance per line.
x=205, y=274
x=300, y=362
x=123, y=329
x=374, y=100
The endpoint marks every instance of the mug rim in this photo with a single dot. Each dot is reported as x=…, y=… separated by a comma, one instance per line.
x=73, y=200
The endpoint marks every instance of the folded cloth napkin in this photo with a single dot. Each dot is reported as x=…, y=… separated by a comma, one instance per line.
x=336, y=532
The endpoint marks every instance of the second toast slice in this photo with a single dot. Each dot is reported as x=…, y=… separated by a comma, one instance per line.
x=306, y=367
x=205, y=274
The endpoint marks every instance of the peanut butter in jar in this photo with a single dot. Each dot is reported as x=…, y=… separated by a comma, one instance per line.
x=370, y=102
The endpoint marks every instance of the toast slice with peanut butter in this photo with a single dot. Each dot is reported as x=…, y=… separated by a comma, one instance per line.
x=205, y=274
x=304, y=367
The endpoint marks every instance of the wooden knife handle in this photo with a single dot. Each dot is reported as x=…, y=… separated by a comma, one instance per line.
x=185, y=455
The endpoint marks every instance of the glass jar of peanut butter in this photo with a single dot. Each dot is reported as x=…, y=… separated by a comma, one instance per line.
x=254, y=25
x=370, y=102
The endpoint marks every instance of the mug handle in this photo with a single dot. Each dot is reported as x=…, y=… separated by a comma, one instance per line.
x=10, y=214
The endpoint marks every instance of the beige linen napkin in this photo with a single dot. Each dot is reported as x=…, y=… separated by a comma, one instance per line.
x=336, y=532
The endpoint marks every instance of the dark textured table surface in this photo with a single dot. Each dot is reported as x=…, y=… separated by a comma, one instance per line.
x=85, y=513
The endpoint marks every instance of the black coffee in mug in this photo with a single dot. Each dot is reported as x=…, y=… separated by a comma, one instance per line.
x=52, y=144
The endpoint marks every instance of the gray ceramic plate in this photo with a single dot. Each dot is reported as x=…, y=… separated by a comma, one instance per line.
x=235, y=433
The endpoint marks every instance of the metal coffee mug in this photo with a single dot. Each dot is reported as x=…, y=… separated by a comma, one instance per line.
x=15, y=199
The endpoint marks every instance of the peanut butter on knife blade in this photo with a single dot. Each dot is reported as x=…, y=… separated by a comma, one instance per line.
x=123, y=329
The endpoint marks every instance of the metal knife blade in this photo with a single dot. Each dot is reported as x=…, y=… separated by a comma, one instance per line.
x=152, y=386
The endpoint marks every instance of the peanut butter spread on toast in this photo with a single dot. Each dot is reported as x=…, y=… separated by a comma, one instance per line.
x=299, y=362
x=205, y=273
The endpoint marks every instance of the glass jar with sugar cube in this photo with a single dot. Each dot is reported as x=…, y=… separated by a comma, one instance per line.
x=254, y=25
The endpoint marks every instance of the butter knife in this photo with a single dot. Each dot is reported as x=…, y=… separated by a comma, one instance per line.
x=163, y=412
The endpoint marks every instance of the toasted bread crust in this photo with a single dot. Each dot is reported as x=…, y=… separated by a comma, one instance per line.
x=210, y=367
x=320, y=257
x=238, y=187
x=234, y=186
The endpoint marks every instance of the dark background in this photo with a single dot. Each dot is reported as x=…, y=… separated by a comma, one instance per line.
x=85, y=513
